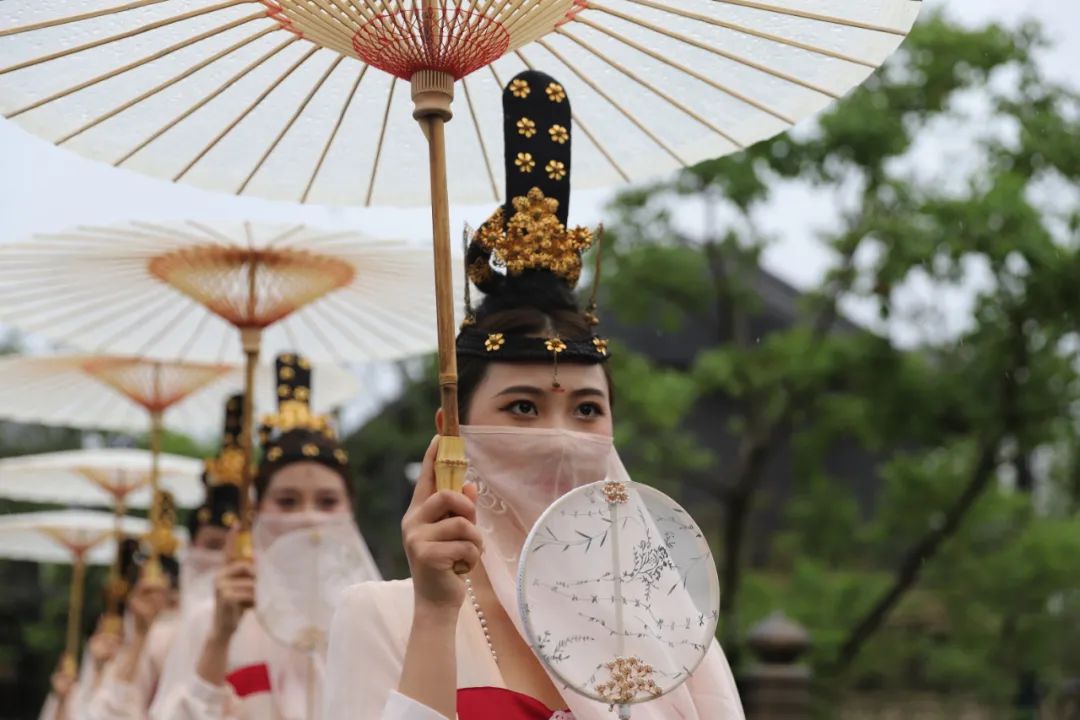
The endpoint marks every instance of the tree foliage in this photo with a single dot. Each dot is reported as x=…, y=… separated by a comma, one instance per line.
x=973, y=431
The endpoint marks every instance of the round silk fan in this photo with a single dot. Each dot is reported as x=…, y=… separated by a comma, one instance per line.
x=301, y=577
x=618, y=592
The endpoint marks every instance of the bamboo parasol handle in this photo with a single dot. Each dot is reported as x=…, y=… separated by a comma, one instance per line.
x=70, y=662
x=432, y=94
x=252, y=340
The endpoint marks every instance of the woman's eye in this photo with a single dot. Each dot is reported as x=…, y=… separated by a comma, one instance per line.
x=523, y=407
x=589, y=410
x=286, y=503
x=329, y=502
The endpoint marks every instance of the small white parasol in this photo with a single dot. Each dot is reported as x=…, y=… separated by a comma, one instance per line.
x=193, y=290
x=116, y=477
x=75, y=537
x=115, y=393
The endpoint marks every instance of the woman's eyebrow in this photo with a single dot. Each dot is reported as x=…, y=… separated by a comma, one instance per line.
x=520, y=390
x=588, y=392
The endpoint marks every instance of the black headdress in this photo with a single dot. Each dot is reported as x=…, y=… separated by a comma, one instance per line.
x=223, y=475
x=294, y=434
x=524, y=255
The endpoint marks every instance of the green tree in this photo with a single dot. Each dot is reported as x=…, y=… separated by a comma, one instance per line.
x=948, y=420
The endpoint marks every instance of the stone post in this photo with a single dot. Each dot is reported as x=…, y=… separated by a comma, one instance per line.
x=778, y=686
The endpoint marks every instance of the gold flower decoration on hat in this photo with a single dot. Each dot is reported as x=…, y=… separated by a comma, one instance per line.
x=286, y=373
x=525, y=162
x=555, y=92
x=520, y=88
x=494, y=342
x=555, y=345
x=310, y=450
x=556, y=169
x=526, y=127
x=601, y=345
x=341, y=456
x=559, y=134
x=274, y=454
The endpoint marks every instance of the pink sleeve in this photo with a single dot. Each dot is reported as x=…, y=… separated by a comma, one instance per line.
x=178, y=667
x=366, y=653
x=197, y=699
x=116, y=700
x=712, y=688
x=48, y=710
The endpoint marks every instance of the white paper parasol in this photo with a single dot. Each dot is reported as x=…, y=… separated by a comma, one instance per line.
x=181, y=291
x=113, y=476
x=278, y=98
x=53, y=536
x=76, y=537
x=196, y=288
x=69, y=390
x=102, y=477
x=308, y=100
x=38, y=384
x=618, y=592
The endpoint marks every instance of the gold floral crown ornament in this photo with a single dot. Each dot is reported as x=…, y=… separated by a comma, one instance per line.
x=533, y=239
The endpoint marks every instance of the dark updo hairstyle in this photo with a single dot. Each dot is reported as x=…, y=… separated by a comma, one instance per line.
x=540, y=305
x=525, y=258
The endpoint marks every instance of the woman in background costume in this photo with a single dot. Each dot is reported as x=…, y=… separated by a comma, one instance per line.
x=128, y=687
x=226, y=664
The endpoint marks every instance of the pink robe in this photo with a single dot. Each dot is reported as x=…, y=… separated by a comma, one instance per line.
x=115, y=699
x=80, y=693
x=264, y=679
x=367, y=652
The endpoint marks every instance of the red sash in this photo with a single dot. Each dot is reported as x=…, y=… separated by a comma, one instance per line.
x=490, y=703
x=249, y=680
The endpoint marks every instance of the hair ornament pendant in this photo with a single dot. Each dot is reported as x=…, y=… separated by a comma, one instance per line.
x=555, y=346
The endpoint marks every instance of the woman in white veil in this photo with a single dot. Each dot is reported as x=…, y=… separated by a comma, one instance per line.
x=259, y=656
x=536, y=402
